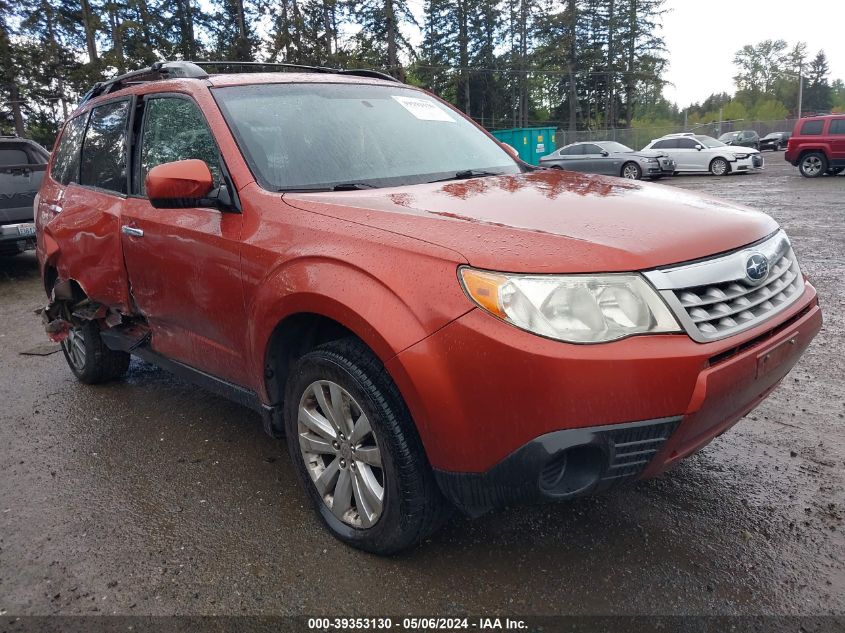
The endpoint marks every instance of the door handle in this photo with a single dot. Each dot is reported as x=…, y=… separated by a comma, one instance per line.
x=131, y=230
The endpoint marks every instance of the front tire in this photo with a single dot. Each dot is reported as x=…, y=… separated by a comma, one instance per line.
x=719, y=167
x=631, y=171
x=88, y=357
x=812, y=165
x=357, y=452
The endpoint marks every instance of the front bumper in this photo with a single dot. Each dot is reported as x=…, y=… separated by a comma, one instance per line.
x=16, y=238
x=496, y=406
x=752, y=163
x=663, y=168
x=668, y=166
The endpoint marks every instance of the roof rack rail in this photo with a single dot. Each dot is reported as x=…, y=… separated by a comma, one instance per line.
x=195, y=70
x=157, y=71
x=359, y=72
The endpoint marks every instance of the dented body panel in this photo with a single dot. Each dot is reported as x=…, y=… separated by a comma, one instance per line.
x=186, y=282
x=79, y=236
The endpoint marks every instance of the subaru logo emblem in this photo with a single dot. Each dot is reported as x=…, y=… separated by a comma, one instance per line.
x=756, y=268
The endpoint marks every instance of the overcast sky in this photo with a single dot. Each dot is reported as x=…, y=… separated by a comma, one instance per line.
x=702, y=37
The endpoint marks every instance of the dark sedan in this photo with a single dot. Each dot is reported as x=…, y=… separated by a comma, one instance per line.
x=774, y=141
x=610, y=158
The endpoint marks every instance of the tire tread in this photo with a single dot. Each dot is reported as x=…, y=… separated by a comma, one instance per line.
x=423, y=508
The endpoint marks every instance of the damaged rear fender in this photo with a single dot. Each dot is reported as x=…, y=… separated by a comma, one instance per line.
x=70, y=307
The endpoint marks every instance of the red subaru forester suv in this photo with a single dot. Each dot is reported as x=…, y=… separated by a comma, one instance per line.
x=430, y=322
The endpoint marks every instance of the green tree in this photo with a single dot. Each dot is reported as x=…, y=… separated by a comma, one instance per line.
x=382, y=36
x=759, y=66
x=837, y=95
x=817, y=94
x=769, y=110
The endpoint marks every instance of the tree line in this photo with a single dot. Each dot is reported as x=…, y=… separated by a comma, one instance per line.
x=767, y=81
x=507, y=63
x=571, y=64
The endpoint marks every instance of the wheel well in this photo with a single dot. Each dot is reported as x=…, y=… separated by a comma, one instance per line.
x=629, y=162
x=295, y=336
x=51, y=276
x=816, y=150
x=715, y=158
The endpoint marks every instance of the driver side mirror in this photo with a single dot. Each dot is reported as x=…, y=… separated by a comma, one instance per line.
x=510, y=149
x=604, y=152
x=699, y=147
x=185, y=184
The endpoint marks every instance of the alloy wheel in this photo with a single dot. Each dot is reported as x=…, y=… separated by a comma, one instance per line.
x=341, y=453
x=74, y=345
x=720, y=167
x=812, y=165
x=631, y=172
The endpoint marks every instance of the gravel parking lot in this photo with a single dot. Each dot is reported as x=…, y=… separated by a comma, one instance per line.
x=149, y=496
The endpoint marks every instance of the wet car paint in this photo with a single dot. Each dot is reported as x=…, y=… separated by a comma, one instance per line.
x=150, y=497
x=553, y=221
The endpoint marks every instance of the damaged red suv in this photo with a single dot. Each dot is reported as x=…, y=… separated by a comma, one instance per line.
x=430, y=322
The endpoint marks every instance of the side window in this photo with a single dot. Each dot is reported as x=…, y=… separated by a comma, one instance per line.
x=13, y=156
x=687, y=143
x=66, y=162
x=575, y=150
x=592, y=149
x=837, y=126
x=174, y=129
x=104, y=148
x=812, y=127
x=667, y=144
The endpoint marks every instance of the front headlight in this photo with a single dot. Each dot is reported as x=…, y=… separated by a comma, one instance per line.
x=571, y=308
x=650, y=160
x=742, y=156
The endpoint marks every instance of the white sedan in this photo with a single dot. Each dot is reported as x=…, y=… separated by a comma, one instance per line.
x=700, y=153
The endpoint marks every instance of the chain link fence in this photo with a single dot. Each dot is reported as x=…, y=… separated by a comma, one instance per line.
x=639, y=137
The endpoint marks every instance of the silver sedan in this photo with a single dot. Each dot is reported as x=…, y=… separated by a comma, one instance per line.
x=610, y=158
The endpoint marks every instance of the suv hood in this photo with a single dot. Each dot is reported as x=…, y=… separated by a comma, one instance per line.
x=551, y=221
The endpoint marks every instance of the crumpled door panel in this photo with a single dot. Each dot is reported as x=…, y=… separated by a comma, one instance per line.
x=87, y=235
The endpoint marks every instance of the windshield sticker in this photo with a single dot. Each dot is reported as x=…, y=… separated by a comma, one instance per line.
x=424, y=110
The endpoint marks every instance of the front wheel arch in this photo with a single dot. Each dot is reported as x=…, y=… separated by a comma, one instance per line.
x=715, y=170
x=636, y=172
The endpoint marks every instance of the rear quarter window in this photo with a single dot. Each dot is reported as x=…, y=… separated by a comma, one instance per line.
x=13, y=156
x=104, y=148
x=66, y=162
x=812, y=128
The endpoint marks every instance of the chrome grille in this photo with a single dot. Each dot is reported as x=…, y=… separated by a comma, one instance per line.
x=715, y=298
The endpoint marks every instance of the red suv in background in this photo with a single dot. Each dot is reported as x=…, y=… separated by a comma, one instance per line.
x=429, y=321
x=817, y=146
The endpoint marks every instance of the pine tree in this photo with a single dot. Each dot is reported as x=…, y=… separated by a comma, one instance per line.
x=381, y=35
x=817, y=94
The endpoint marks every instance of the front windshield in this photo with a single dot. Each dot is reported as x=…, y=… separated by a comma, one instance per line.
x=708, y=141
x=729, y=136
x=615, y=148
x=772, y=135
x=316, y=136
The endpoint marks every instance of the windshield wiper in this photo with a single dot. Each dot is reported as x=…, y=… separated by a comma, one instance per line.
x=344, y=186
x=353, y=186
x=468, y=173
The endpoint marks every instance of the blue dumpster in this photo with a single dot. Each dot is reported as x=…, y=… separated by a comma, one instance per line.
x=530, y=142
